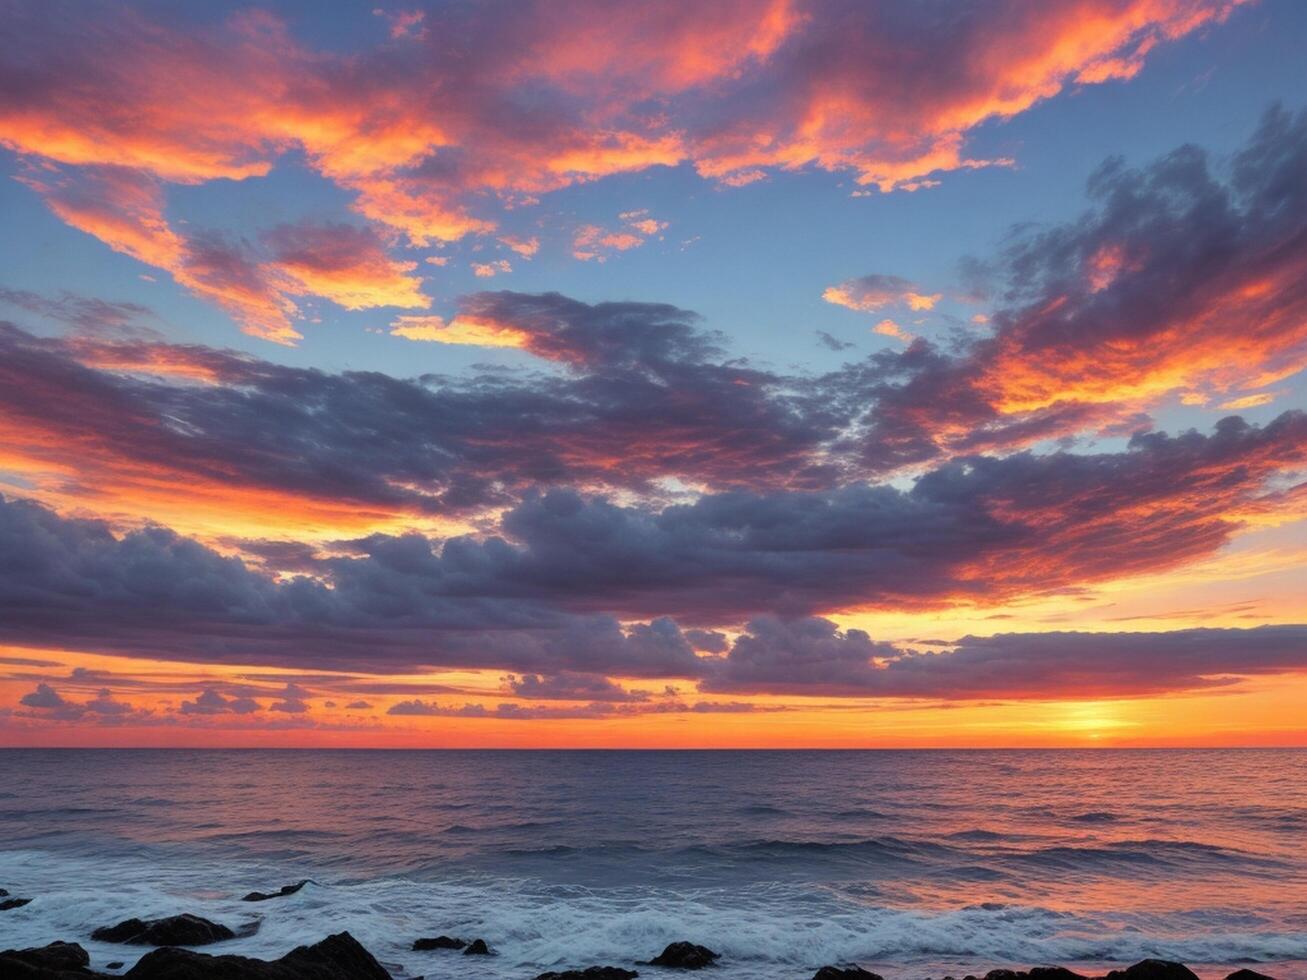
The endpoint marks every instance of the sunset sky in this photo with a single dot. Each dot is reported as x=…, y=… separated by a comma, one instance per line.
x=567, y=373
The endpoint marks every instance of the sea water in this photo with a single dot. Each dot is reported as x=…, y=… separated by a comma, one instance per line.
x=910, y=863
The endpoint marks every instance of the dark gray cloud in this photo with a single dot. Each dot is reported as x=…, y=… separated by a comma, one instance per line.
x=211, y=702
x=551, y=592
x=570, y=686
x=814, y=657
x=50, y=704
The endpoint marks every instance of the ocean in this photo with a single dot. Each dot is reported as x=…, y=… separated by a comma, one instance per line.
x=911, y=863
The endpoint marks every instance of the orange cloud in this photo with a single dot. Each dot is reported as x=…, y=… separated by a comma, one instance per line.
x=1249, y=401
x=525, y=247
x=485, y=270
x=470, y=330
x=870, y=293
x=593, y=242
x=889, y=328
x=427, y=133
x=342, y=263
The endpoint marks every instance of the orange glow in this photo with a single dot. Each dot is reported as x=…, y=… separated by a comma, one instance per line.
x=155, y=689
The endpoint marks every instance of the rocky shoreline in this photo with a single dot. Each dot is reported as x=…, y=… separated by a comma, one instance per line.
x=342, y=957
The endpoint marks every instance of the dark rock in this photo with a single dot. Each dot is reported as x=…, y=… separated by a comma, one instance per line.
x=1153, y=970
x=1035, y=973
x=591, y=973
x=1248, y=975
x=115, y=965
x=3, y=893
x=477, y=947
x=58, y=961
x=175, y=930
x=439, y=942
x=338, y=957
x=283, y=890
x=13, y=903
x=853, y=972
x=685, y=956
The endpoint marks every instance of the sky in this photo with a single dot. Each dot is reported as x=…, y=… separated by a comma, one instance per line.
x=762, y=373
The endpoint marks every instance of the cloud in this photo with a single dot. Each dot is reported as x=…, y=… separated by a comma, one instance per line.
x=256, y=283
x=577, y=583
x=343, y=263
x=487, y=270
x=1180, y=282
x=595, y=242
x=43, y=697
x=814, y=657
x=510, y=711
x=873, y=292
x=50, y=704
x=525, y=247
x=888, y=328
x=85, y=314
x=453, y=118
x=645, y=385
x=569, y=686
x=210, y=702
x=833, y=343
x=292, y=700
x=1206, y=298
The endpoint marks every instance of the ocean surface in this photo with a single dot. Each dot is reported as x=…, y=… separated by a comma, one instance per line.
x=910, y=863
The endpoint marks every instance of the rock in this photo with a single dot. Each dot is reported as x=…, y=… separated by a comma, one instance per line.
x=115, y=965
x=1248, y=975
x=175, y=930
x=58, y=961
x=1153, y=970
x=591, y=973
x=439, y=942
x=853, y=972
x=283, y=890
x=338, y=957
x=685, y=956
x=1035, y=973
x=13, y=903
x=3, y=893
x=477, y=947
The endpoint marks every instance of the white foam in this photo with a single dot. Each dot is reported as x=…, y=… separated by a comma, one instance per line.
x=763, y=931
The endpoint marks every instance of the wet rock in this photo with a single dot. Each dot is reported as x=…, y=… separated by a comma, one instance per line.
x=1248, y=975
x=338, y=957
x=283, y=890
x=175, y=930
x=439, y=942
x=477, y=947
x=13, y=903
x=57, y=961
x=685, y=956
x=853, y=972
x=591, y=973
x=1153, y=970
x=1035, y=973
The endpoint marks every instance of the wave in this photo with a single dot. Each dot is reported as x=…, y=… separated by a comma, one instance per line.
x=761, y=930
